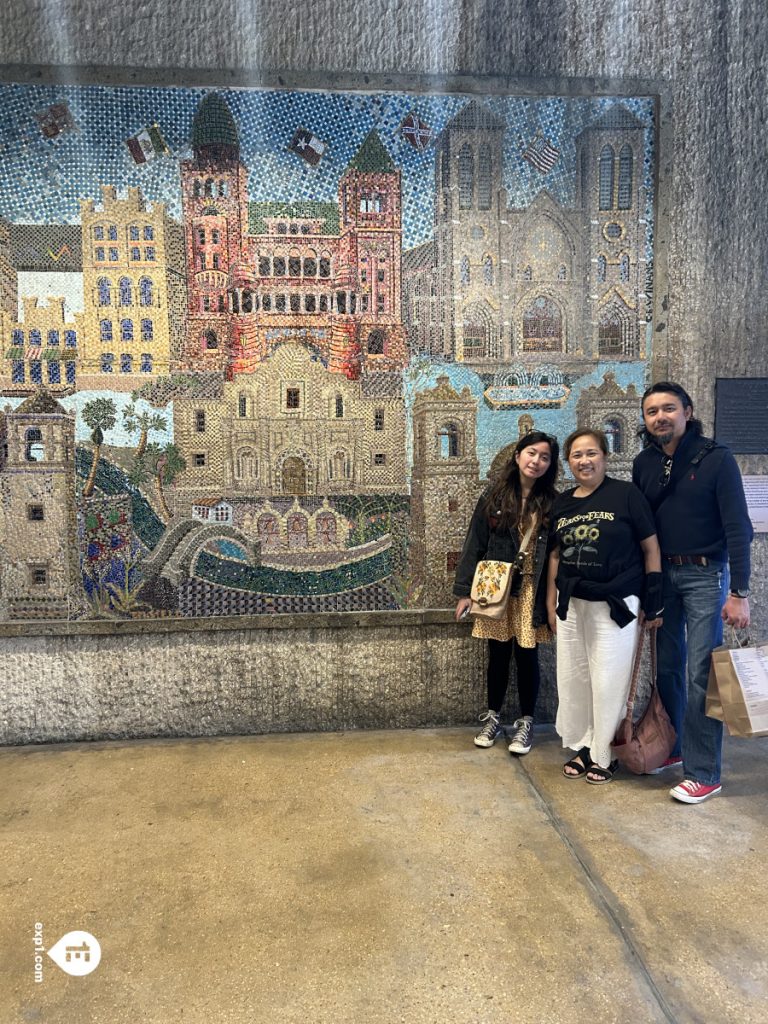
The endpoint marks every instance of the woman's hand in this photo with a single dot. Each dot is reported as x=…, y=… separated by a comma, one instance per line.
x=552, y=618
x=462, y=607
x=552, y=567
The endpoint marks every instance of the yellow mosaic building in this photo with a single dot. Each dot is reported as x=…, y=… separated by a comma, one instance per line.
x=134, y=291
x=39, y=349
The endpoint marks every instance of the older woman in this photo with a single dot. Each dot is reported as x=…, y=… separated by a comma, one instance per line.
x=605, y=564
x=522, y=495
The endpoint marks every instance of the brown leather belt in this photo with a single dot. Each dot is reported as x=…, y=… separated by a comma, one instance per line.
x=686, y=559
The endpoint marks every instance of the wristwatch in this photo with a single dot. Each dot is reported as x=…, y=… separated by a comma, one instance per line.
x=740, y=593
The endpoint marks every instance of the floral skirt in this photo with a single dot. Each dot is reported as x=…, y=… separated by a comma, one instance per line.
x=517, y=622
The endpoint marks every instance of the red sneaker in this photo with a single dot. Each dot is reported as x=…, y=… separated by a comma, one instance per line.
x=690, y=792
x=671, y=762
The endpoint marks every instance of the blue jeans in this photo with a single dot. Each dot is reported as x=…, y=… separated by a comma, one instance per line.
x=694, y=596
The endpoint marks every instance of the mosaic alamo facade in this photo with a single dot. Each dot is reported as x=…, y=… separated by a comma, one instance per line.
x=260, y=350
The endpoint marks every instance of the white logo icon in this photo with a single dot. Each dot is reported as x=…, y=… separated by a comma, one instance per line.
x=76, y=953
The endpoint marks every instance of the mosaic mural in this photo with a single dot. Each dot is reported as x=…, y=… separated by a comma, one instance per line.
x=261, y=349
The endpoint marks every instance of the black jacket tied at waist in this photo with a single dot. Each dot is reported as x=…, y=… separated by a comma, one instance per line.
x=613, y=593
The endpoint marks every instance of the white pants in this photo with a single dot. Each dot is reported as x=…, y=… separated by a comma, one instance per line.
x=594, y=667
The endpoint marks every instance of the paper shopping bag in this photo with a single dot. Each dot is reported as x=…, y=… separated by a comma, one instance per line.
x=737, y=693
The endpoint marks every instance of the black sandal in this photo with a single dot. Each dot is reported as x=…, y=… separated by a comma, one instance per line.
x=581, y=766
x=606, y=774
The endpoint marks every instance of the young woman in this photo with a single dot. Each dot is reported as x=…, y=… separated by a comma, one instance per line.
x=523, y=493
x=604, y=564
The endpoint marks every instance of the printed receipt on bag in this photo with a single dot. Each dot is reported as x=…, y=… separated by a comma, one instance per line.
x=751, y=664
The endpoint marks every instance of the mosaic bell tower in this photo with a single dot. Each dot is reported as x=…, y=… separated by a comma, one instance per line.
x=215, y=213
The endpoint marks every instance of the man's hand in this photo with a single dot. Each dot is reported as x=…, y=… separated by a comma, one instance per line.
x=736, y=612
x=463, y=604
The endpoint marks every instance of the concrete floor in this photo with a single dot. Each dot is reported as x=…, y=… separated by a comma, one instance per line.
x=378, y=877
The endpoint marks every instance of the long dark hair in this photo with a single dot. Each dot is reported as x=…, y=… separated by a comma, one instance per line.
x=504, y=499
x=669, y=388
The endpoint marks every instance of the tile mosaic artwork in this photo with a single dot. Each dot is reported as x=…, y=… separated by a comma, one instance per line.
x=262, y=348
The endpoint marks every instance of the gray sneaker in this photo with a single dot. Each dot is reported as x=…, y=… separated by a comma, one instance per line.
x=522, y=737
x=491, y=729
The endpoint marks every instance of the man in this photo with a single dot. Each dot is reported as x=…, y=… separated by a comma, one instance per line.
x=694, y=487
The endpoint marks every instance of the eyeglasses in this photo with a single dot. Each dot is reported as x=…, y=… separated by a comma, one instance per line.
x=666, y=472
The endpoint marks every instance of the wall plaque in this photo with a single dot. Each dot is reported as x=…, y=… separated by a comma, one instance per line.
x=741, y=413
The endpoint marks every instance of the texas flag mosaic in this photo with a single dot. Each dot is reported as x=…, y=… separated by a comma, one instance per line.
x=307, y=145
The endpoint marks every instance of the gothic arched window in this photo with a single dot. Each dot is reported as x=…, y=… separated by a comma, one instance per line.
x=542, y=326
x=466, y=177
x=488, y=270
x=464, y=270
x=105, y=291
x=613, y=435
x=484, y=177
x=609, y=336
x=126, y=297
x=445, y=167
x=625, y=177
x=606, y=178
x=145, y=291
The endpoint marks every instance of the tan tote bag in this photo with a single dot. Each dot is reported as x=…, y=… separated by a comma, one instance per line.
x=492, y=582
x=737, y=693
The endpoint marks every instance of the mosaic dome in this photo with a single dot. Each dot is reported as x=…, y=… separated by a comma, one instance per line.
x=213, y=124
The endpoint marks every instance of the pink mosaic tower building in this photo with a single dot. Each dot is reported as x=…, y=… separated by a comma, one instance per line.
x=260, y=275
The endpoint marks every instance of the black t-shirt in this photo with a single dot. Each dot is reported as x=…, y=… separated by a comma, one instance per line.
x=599, y=535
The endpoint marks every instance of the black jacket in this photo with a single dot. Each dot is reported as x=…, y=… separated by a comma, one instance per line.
x=487, y=540
x=706, y=512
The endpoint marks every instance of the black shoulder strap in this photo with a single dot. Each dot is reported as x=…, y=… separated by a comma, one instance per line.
x=701, y=454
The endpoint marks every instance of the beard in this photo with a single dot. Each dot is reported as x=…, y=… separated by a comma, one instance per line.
x=665, y=438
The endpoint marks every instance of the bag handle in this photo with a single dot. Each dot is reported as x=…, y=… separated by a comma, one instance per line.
x=523, y=549
x=735, y=640
x=636, y=664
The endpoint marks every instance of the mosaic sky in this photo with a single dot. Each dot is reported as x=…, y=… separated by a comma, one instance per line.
x=42, y=180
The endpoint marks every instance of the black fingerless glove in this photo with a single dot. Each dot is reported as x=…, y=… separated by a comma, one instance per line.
x=652, y=603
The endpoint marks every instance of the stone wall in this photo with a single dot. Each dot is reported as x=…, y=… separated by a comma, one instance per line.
x=90, y=681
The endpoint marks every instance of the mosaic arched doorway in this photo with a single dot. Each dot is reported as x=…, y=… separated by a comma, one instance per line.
x=294, y=475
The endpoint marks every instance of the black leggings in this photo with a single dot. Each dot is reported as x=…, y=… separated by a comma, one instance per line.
x=527, y=664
